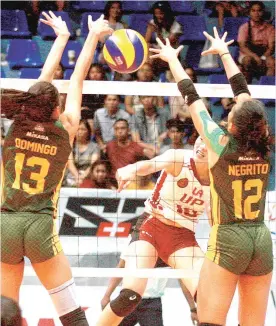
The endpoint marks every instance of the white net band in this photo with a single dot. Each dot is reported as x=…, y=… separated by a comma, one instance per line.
x=143, y=88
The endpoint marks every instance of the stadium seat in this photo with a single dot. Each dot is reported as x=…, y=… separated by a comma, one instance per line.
x=193, y=27
x=84, y=21
x=68, y=73
x=217, y=79
x=71, y=46
x=139, y=22
x=89, y=5
x=14, y=24
x=136, y=6
x=268, y=80
x=30, y=73
x=47, y=33
x=23, y=54
x=231, y=26
x=3, y=75
x=182, y=7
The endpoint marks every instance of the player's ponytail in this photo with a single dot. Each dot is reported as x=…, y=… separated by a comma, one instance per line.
x=37, y=104
x=251, y=125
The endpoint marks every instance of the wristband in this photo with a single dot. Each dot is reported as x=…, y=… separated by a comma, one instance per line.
x=187, y=90
x=224, y=54
x=238, y=84
x=193, y=310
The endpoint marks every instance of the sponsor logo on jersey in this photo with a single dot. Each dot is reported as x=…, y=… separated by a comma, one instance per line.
x=34, y=135
x=39, y=127
x=183, y=183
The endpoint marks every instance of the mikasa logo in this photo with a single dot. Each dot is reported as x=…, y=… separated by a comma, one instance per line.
x=118, y=60
x=34, y=135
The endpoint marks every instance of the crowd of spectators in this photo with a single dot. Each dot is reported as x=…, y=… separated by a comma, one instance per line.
x=116, y=131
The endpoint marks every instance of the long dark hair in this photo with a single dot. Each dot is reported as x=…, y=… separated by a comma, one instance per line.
x=251, y=124
x=37, y=104
x=169, y=18
x=107, y=9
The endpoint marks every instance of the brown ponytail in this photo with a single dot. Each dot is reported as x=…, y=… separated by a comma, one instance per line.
x=37, y=104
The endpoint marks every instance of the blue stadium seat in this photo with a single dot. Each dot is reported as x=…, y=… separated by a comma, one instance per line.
x=68, y=73
x=193, y=27
x=217, y=79
x=231, y=26
x=47, y=33
x=182, y=7
x=89, y=5
x=23, y=54
x=30, y=73
x=267, y=80
x=14, y=24
x=3, y=75
x=139, y=22
x=84, y=21
x=71, y=46
x=136, y=6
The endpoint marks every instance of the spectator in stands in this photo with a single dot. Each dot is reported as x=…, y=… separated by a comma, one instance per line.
x=223, y=9
x=177, y=131
x=227, y=104
x=162, y=25
x=150, y=125
x=59, y=73
x=105, y=117
x=256, y=39
x=122, y=150
x=93, y=102
x=142, y=183
x=113, y=12
x=144, y=74
x=98, y=177
x=10, y=312
x=84, y=154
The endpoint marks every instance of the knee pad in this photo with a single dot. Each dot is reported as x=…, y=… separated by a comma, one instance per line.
x=125, y=303
x=75, y=317
x=64, y=297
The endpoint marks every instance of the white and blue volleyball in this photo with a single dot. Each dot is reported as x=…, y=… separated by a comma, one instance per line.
x=125, y=51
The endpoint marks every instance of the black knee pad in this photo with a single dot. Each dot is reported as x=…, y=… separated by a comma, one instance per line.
x=209, y=324
x=125, y=303
x=74, y=318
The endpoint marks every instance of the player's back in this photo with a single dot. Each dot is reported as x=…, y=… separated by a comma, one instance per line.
x=238, y=186
x=33, y=164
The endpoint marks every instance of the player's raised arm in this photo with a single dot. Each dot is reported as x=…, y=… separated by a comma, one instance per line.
x=206, y=127
x=171, y=161
x=70, y=117
x=235, y=77
x=54, y=56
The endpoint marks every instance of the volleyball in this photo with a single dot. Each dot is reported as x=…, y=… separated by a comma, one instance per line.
x=125, y=51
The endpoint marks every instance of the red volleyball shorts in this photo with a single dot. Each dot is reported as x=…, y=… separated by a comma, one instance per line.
x=166, y=239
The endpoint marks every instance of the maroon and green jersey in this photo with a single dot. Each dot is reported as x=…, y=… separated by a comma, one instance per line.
x=238, y=186
x=34, y=158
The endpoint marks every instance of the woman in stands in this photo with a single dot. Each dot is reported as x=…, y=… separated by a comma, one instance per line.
x=35, y=155
x=240, y=246
x=171, y=215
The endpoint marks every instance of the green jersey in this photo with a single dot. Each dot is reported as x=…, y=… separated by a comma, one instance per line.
x=34, y=159
x=238, y=187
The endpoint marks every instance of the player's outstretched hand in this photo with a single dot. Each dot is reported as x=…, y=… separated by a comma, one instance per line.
x=166, y=51
x=124, y=176
x=218, y=45
x=99, y=27
x=58, y=25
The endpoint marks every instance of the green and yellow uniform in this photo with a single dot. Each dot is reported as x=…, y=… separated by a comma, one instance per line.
x=239, y=239
x=34, y=159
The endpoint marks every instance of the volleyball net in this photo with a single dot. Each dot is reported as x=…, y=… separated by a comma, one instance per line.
x=95, y=224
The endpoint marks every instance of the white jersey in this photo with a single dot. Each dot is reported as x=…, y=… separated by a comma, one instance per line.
x=180, y=199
